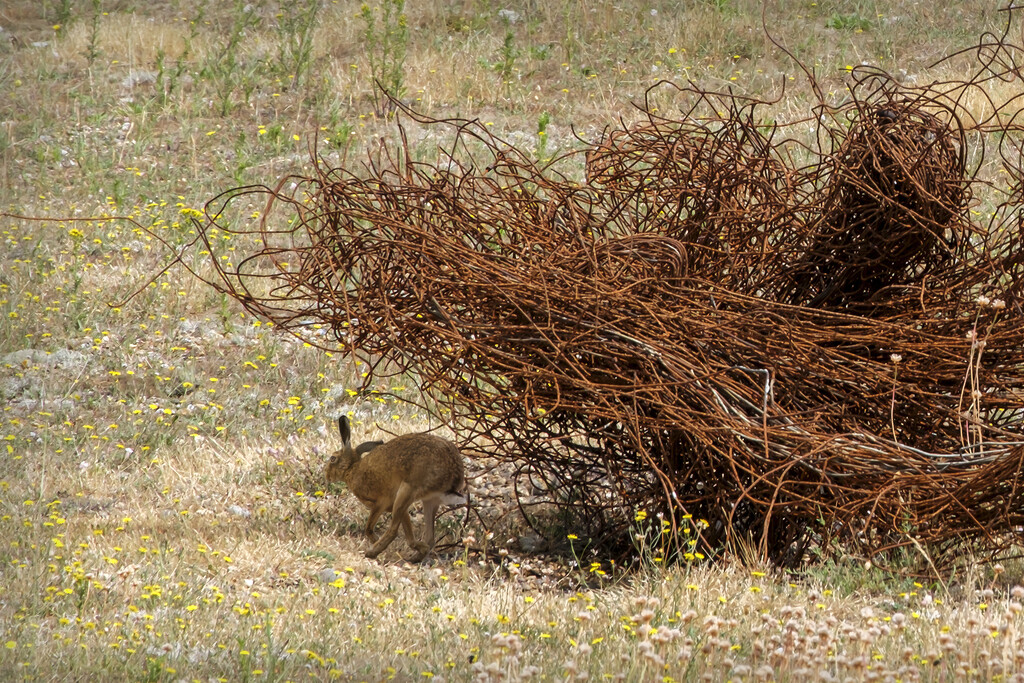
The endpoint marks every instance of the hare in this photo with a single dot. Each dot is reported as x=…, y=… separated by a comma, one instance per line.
x=393, y=475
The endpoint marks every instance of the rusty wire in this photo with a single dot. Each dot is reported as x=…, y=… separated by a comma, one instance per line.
x=801, y=338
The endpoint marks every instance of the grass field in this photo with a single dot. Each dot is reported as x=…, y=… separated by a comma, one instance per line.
x=163, y=514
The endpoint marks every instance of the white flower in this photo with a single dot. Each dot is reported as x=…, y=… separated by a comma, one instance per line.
x=511, y=16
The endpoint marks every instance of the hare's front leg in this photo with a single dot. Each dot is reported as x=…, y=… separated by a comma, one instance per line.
x=376, y=509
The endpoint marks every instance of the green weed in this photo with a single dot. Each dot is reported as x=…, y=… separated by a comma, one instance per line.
x=226, y=68
x=387, y=43
x=848, y=22
x=295, y=28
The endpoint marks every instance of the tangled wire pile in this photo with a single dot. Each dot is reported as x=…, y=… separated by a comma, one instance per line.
x=802, y=341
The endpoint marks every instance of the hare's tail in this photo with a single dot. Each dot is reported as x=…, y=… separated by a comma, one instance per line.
x=459, y=498
x=455, y=499
x=458, y=495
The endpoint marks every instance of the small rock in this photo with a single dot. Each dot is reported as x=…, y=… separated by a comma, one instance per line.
x=328, y=574
x=239, y=511
x=532, y=542
x=138, y=77
x=22, y=358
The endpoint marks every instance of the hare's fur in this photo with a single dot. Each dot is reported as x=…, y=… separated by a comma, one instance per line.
x=392, y=476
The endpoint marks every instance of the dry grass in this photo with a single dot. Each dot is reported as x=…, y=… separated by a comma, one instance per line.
x=162, y=510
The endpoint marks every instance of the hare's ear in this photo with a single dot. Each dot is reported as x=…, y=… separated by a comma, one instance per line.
x=346, y=435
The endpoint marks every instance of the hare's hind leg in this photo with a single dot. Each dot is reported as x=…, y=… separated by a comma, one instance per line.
x=399, y=518
x=430, y=505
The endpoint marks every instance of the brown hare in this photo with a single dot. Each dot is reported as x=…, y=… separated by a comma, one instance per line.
x=393, y=475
